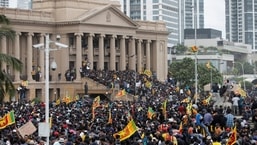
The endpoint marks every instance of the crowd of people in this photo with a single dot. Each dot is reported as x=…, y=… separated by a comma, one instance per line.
x=178, y=122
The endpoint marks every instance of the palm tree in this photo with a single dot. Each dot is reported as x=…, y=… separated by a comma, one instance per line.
x=6, y=85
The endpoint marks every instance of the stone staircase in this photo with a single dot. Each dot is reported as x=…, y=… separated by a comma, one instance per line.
x=95, y=87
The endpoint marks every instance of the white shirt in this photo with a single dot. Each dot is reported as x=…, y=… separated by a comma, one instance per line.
x=235, y=101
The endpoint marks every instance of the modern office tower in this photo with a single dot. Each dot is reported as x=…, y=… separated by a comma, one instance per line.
x=178, y=14
x=4, y=3
x=21, y=4
x=156, y=10
x=241, y=22
x=24, y=4
x=194, y=14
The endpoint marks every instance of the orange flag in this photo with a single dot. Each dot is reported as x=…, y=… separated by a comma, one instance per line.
x=121, y=93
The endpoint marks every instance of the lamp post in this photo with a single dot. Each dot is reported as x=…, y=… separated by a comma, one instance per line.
x=243, y=71
x=47, y=50
x=196, y=73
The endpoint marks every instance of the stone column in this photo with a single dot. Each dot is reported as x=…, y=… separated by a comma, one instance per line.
x=90, y=54
x=112, y=53
x=42, y=57
x=122, y=54
x=101, y=52
x=78, y=55
x=17, y=55
x=4, y=51
x=148, y=60
x=29, y=55
x=139, y=55
x=132, y=54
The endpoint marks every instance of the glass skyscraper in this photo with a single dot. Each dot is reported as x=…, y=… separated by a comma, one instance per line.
x=178, y=15
x=241, y=22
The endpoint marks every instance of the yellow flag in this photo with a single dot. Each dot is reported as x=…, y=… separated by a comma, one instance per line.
x=129, y=130
x=208, y=65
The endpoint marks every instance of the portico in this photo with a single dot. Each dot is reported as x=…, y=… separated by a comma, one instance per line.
x=101, y=36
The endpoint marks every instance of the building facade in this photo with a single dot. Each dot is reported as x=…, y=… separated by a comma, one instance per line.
x=24, y=4
x=241, y=21
x=21, y=4
x=194, y=14
x=4, y=3
x=97, y=32
x=177, y=14
x=202, y=34
x=221, y=53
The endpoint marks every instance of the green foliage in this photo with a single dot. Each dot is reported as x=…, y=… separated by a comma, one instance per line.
x=36, y=100
x=180, y=49
x=184, y=73
x=243, y=67
x=6, y=86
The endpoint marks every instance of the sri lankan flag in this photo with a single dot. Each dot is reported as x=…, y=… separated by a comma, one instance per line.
x=207, y=100
x=129, y=130
x=150, y=113
x=110, y=117
x=233, y=137
x=148, y=73
x=7, y=120
x=96, y=102
x=164, y=109
x=189, y=109
x=180, y=128
x=208, y=65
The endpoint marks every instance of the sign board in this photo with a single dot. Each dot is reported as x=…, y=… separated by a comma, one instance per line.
x=43, y=129
x=27, y=129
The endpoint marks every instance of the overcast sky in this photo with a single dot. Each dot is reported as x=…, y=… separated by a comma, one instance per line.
x=215, y=15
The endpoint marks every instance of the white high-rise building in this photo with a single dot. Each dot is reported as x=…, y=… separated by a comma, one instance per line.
x=178, y=14
x=241, y=22
x=24, y=4
x=21, y=4
x=4, y=3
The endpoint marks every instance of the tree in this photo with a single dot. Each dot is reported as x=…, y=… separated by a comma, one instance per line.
x=180, y=48
x=248, y=68
x=6, y=84
x=184, y=73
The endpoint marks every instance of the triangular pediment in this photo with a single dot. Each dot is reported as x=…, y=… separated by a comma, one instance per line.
x=108, y=15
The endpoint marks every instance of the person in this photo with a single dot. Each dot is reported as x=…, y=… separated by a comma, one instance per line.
x=199, y=122
x=235, y=100
x=86, y=88
x=59, y=76
x=22, y=91
x=59, y=142
x=229, y=119
x=240, y=104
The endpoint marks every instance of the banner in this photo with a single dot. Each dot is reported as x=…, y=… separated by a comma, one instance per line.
x=129, y=130
x=27, y=129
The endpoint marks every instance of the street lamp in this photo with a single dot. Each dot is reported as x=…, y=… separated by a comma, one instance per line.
x=47, y=50
x=196, y=73
x=243, y=71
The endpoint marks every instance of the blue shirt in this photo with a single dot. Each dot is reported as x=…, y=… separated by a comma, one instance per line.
x=198, y=119
x=230, y=120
